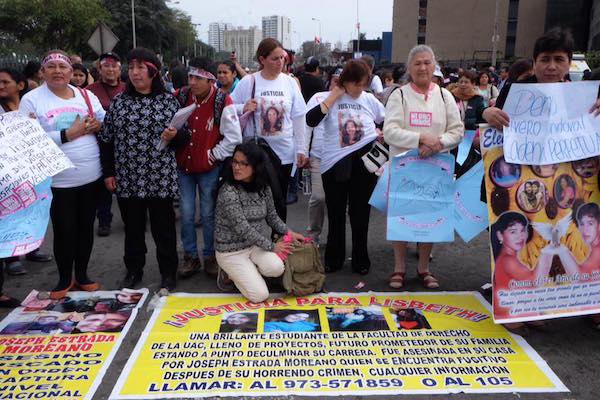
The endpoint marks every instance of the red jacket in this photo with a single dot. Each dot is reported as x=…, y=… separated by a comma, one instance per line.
x=205, y=135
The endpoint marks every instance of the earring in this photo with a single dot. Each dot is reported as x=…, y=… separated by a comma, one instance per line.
x=500, y=240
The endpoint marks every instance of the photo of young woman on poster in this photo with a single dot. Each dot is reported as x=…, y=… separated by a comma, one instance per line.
x=239, y=322
x=504, y=174
x=565, y=190
x=356, y=319
x=545, y=171
x=509, y=235
x=531, y=196
x=271, y=119
x=292, y=321
x=409, y=319
x=586, y=168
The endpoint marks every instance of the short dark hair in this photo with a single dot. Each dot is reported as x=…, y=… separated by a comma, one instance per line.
x=354, y=71
x=591, y=210
x=256, y=159
x=518, y=68
x=469, y=75
x=143, y=54
x=482, y=73
x=18, y=77
x=556, y=39
x=31, y=68
x=201, y=63
x=230, y=65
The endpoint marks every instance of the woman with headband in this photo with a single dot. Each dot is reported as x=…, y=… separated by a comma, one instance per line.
x=138, y=162
x=71, y=117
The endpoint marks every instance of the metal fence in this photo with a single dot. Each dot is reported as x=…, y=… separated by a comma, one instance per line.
x=16, y=61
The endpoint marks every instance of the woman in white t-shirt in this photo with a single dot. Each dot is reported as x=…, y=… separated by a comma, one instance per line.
x=348, y=115
x=71, y=117
x=420, y=115
x=278, y=110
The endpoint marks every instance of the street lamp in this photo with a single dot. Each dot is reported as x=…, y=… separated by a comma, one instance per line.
x=133, y=23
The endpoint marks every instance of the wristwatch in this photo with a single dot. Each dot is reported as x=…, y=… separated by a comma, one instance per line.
x=63, y=136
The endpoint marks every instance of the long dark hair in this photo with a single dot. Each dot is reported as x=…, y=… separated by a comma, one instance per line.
x=17, y=77
x=143, y=54
x=278, y=125
x=256, y=159
x=505, y=221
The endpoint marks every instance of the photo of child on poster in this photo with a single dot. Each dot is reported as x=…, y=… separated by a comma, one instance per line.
x=351, y=129
x=292, y=321
x=347, y=319
x=271, y=118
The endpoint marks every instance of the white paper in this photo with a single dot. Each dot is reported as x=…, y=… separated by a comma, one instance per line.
x=181, y=116
x=550, y=123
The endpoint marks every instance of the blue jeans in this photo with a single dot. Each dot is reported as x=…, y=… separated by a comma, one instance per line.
x=207, y=183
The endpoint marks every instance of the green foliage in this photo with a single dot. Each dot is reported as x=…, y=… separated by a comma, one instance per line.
x=593, y=59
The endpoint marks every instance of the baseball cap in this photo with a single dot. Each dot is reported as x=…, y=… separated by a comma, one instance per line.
x=311, y=64
x=109, y=54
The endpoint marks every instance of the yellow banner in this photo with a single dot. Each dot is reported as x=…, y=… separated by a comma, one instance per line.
x=61, y=349
x=329, y=344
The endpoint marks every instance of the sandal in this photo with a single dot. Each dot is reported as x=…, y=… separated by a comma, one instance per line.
x=396, y=280
x=428, y=280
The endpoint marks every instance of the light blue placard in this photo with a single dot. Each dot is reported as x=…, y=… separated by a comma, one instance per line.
x=379, y=197
x=24, y=218
x=470, y=213
x=421, y=206
x=464, y=147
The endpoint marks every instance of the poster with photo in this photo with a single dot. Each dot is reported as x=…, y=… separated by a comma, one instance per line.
x=71, y=341
x=544, y=225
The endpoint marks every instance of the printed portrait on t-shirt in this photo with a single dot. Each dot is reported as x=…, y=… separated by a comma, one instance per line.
x=351, y=129
x=271, y=118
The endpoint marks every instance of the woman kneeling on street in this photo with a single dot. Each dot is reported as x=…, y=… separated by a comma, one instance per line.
x=245, y=216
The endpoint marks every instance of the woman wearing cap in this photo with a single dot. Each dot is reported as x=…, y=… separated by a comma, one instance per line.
x=345, y=179
x=138, y=167
x=441, y=130
x=269, y=87
x=71, y=117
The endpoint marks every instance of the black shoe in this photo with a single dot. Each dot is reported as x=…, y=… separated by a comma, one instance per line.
x=38, y=256
x=363, y=270
x=9, y=302
x=103, y=230
x=168, y=282
x=131, y=280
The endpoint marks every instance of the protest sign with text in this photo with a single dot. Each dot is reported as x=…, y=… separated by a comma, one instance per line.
x=550, y=123
x=544, y=235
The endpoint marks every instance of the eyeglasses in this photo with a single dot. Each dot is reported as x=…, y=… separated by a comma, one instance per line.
x=241, y=164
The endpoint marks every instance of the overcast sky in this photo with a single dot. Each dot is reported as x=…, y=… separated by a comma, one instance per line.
x=338, y=18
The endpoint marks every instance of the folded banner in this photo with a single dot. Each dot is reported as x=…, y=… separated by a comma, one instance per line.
x=421, y=205
x=60, y=349
x=379, y=197
x=470, y=213
x=28, y=157
x=335, y=344
x=465, y=146
x=550, y=123
x=544, y=235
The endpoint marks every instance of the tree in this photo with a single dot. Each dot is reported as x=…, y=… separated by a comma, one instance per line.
x=49, y=24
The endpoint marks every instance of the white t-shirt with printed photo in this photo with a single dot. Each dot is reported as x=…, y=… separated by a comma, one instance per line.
x=54, y=114
x=349, y=125
x=279, y=102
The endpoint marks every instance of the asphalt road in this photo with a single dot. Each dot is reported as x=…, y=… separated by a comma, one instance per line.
x=572, y=348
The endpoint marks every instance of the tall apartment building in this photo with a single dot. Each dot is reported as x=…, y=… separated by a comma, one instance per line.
x=216, y=34
x=244, y=41
x=463, y=29
x=278, y=27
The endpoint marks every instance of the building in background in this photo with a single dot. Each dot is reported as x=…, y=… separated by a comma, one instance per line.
x=244, y=41
x=379, y=49
x=278, y=27
x=216, y=35
x=594, y=39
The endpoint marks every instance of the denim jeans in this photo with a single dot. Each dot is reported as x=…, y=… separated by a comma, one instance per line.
x=207, y=183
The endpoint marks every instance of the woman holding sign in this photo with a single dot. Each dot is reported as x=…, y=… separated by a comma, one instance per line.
x=71, y=117
x=424, y=116
x=139, y=170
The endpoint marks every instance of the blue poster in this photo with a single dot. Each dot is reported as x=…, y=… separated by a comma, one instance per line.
x=24, y=217
x=379, y=197
x=465, y=146
x=470, y=213
x=421, y=205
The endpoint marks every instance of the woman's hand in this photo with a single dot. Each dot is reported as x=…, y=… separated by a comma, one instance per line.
x=282, y=247
x=496, y=117
x=296, y=236
x=168, y=134
x=110, y=183
x=596, y=108
x=250, y=106
x=77, y=129
x=92, y=125
x=301, y=160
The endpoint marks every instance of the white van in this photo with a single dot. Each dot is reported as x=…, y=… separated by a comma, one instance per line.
x=578, y=66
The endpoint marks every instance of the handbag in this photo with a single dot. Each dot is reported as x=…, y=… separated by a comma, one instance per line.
x=377, y=156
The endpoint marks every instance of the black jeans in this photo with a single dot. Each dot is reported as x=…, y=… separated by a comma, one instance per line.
x=73, y=213
x=162, y=226
x=284, y=180
x=104, y=206
x=349, y=185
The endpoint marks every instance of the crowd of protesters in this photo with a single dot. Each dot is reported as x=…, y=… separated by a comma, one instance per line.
x=245, y=136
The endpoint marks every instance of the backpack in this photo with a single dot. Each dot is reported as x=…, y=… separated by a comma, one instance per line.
x=304, y=274
x=183, y=96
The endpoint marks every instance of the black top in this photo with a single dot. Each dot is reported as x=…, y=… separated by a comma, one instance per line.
x=309, y=85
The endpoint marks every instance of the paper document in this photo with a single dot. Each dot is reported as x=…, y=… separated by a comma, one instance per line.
x=178, y=121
